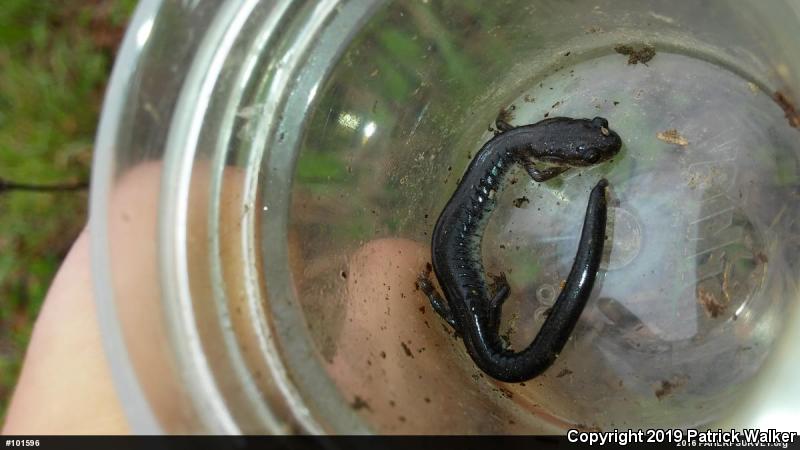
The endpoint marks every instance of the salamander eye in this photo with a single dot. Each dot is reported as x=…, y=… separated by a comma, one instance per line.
x=604, y=131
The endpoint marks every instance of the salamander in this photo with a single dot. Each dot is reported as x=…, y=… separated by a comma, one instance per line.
x=545, y=150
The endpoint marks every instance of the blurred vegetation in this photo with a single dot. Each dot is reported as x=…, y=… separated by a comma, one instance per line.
x=55, y=59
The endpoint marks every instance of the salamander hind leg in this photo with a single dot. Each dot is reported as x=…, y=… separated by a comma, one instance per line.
x=437, y=302
x=495, y=310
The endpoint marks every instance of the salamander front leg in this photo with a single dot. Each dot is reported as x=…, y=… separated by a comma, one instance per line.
x=503, y=126
x=437, y=302
x=541, y=175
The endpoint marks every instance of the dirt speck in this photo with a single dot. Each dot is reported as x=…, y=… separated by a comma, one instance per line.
x=520, y=202
x=359, y=403
x=672, y=136
x=788, y=107
x=636, y=55
x=504, y=392
x=761, y=258
x=564, y=372
x=407, y=350
x=665, y=389
x=711, y=304
x=506, y=114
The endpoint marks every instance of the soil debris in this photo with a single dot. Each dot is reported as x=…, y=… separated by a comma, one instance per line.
x=564, y=372
x=636, y=55
x=788, y=107
x=407, y=350
x=520, y=202
x=672, y=136
x=713, y=307
x=360, y=403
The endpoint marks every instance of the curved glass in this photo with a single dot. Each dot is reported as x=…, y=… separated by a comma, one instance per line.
x=268, y=175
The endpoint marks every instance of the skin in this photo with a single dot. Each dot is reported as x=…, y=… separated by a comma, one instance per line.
x=65, y=385
x=65, y=366
x=545, y=150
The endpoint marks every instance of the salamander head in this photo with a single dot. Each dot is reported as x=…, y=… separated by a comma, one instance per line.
x=582, y=142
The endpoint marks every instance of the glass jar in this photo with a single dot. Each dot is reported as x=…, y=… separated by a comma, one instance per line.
x=268, y=175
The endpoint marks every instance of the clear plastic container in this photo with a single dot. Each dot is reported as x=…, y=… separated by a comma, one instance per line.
x=268, y=175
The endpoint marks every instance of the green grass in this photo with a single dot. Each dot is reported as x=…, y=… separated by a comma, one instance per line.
x=55, y=59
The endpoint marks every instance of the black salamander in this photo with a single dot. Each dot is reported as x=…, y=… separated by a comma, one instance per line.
x=545, y=150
